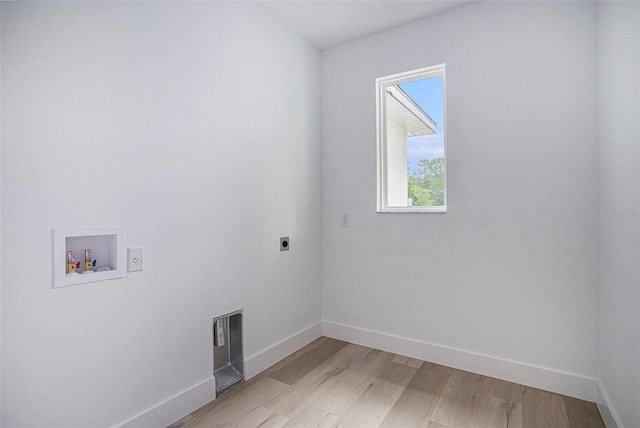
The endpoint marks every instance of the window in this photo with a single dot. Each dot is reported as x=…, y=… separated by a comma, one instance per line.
x=411, y=141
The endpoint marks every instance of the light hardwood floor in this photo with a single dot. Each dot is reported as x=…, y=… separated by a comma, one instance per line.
x=331, y=383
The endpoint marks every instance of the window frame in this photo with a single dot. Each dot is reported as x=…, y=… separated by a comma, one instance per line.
x=381, y=130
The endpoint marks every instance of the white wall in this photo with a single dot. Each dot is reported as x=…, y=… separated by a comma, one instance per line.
x=195, y=126
x=510, y=271
x=619, y=211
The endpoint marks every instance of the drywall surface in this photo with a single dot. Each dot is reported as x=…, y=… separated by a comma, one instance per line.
x=195, y=126
x=619, y=211
x=510, y=271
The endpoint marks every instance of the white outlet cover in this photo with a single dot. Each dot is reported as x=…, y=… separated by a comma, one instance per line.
x=135, y=259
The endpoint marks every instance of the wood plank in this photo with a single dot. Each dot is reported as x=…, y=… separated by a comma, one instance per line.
x=228, y=395
x=343, y=389
x=262, y=417
x=400, y=359
x=496, y=412
x=432, y=424
x=515, y=415
x=469, y=401
x=457, y=405
x=508, y=391
x=418, y=400
x=299, y=367
x=370, y=409
x=582, y=413
x=276, y=421
x=414, y=363
x=312, y=417
x=358, y=386
x=311, y=347
x=233, y=410
x=543, y=409
x=297, y=395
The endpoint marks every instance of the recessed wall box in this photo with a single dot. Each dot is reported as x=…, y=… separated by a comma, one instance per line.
x=107, y=251
x=228, y=360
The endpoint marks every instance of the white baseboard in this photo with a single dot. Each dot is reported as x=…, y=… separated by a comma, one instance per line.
x=176, y=407
x=538, y=377
x=189, y=400
x=607, y=411
x=268, y=357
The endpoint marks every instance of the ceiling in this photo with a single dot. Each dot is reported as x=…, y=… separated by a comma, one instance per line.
x=328, y=23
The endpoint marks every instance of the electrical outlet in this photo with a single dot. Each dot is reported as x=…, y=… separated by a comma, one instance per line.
x=135, y=259
x=284, y=243
x=344, y=220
